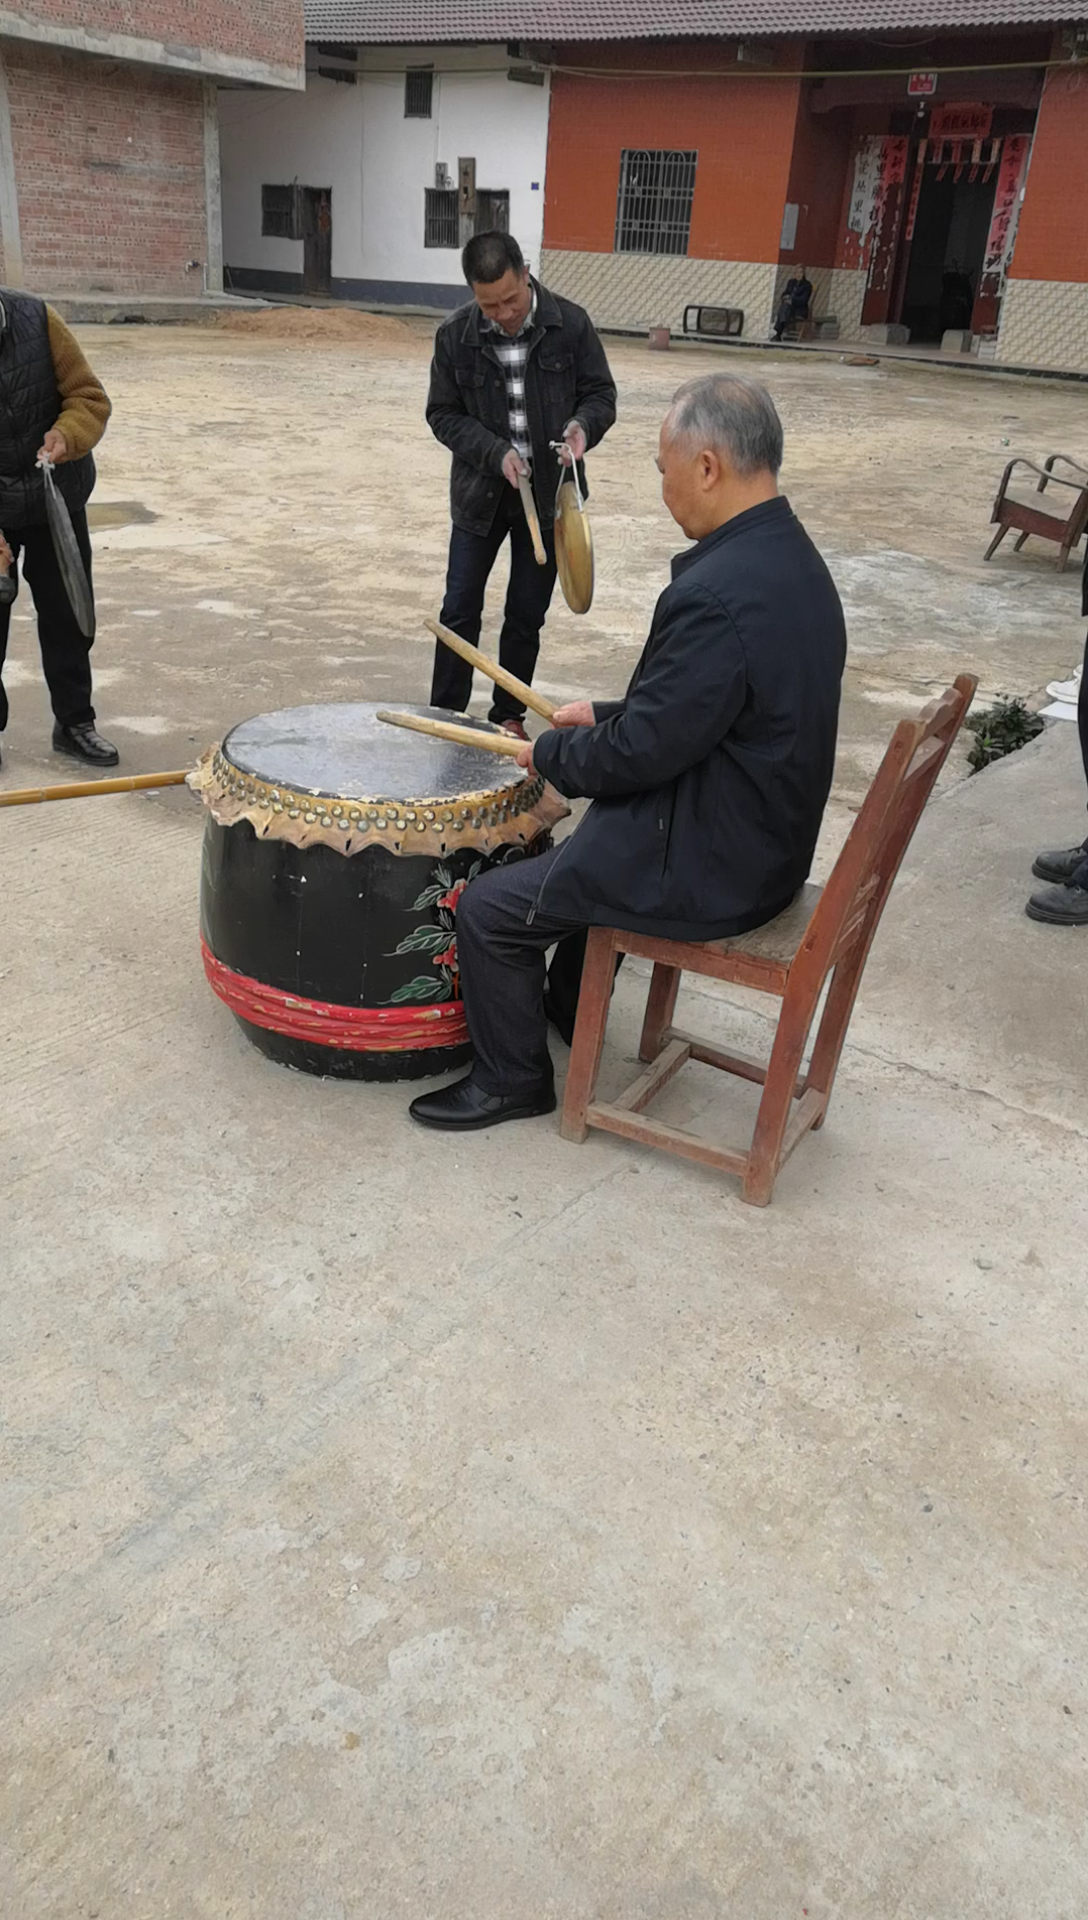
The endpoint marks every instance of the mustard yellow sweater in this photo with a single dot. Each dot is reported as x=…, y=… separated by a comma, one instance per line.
x=85, y=405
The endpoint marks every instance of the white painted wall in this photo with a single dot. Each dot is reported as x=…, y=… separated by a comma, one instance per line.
x=357, y=141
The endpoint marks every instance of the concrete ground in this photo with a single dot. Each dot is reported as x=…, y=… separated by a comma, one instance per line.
x=501, y=1527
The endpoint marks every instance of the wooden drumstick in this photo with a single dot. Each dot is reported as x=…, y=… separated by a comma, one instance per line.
x=87, y=789
x=502, y=678
x=529, y=504
x=461, y=736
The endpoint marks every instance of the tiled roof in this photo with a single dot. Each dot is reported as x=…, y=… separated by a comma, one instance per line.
x=407, y=22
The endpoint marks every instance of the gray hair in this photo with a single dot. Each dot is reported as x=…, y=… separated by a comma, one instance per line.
x=732, y=415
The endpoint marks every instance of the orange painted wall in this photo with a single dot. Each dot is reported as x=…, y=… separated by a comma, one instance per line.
x=1052, y=240
x=742, y=130
x=821, y=152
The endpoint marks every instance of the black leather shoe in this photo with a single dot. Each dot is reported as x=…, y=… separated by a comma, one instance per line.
x=1059, y=906
x=83, y=743
x=1060, y=866
x=464, y=1106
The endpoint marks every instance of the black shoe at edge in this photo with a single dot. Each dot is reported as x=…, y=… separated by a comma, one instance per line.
x=83, y=743
x=465, y=1107
x=1060, y=865
x=1059, y=906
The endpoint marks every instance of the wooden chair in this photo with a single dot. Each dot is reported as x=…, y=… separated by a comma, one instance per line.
x=1009, y=512
x=824, y=936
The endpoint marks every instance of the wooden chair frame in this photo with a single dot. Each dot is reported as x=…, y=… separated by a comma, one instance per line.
x=793, y=958
x=1032, y=520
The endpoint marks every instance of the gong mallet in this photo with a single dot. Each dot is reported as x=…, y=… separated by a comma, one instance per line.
x=87, y=789
x=500, y=675
x=529, y=504
x=503, y=743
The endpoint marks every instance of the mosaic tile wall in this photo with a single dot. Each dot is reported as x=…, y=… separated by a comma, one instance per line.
x=652, y=290
x=1044, y=323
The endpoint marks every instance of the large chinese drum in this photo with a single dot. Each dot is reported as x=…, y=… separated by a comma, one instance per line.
x=335, y=851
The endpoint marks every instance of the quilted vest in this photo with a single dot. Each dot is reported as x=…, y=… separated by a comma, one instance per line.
x=29, y=406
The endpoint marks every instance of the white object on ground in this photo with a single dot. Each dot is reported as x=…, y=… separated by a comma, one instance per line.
x=1066, y=689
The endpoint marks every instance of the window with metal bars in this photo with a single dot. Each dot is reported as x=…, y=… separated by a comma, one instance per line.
x=492, y=210
x=418, y=92
x=280, y=213
x=653, y=214
x=441, y=221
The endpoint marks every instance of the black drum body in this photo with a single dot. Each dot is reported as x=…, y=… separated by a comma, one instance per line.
x=329, y=927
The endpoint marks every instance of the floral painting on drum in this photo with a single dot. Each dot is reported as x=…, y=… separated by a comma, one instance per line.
x=440, y=941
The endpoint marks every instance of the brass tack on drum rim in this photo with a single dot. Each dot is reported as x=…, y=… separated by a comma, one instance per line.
x=310, y=819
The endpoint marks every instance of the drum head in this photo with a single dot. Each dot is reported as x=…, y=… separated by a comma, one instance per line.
x=344, y=752
x=573, y=550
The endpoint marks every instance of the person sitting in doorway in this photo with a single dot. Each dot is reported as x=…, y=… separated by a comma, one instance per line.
x=708, y=780
x=794, y=304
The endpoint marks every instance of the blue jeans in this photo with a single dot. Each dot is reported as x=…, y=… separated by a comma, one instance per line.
x=472, y=556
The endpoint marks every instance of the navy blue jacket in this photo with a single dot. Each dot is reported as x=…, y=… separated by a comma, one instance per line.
x=709, y=780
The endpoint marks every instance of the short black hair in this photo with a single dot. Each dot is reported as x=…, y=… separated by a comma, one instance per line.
x=488, y=256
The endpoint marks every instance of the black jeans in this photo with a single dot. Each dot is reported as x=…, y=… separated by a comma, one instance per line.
x=66, y=653
x=500, y=951
x=528, y=596
x=1080, y=878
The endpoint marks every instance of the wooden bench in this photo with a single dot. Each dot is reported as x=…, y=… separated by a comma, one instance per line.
x=823, y=937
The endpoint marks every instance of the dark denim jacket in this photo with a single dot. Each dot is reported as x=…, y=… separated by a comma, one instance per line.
x=566, y=378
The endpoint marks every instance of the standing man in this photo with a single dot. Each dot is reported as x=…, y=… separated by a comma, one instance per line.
x=52, y=407
x=708, y=780
x=513, y=370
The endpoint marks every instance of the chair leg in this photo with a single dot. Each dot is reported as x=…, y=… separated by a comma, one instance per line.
x=594, y=999
x=772, y=1119
x=995, y=543
x=660, y=1007
x=831, y=1032
x=1063, y=558
x=1020, y=543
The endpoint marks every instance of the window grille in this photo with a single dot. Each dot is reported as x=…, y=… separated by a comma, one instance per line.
x=418, y=89
x=654, y=210
x=280, y=213
x=492, y=210
x=441, y=220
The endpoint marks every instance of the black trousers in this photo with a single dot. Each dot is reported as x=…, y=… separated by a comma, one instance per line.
x=66, y=653
x=528, y=596
x=1080, y=878
x=500, y=951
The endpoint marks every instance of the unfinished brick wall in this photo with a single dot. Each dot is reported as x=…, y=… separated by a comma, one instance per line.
x=109, y=163
x=268, y=30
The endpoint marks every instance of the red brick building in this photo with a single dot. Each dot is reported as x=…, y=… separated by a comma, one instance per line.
x=924, y=159
x=109, y=161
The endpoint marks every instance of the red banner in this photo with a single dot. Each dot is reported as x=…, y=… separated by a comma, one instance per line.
x=968, y=120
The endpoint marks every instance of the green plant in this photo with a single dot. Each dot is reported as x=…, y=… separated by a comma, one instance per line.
x=1001, y=729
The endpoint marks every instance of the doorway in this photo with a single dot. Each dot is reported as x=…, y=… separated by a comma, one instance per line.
x=317, y=240
x=947, y=250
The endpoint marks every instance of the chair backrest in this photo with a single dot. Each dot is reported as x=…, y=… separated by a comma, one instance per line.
x=853, y=900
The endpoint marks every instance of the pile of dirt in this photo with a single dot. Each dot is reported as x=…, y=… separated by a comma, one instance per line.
x=320, y=326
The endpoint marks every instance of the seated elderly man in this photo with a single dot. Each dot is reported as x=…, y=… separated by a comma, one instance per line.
x=708, y=780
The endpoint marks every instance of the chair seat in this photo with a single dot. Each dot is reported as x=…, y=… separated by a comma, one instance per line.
x=781, y=937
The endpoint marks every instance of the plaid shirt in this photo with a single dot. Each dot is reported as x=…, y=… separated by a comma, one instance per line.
x=513, y=352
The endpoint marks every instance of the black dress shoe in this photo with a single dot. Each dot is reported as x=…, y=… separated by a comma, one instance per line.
x=1060, y=866
x=464, y=1106
x=1059, y=906
x=83, y=743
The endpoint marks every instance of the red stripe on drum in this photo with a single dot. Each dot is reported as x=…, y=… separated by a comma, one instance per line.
x=358, y=1029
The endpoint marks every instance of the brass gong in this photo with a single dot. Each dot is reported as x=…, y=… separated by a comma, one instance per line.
x=573, y=543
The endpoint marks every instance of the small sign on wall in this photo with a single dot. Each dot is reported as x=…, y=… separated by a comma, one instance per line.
x=789, y=227
x=921, y=86
x=968, y=120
